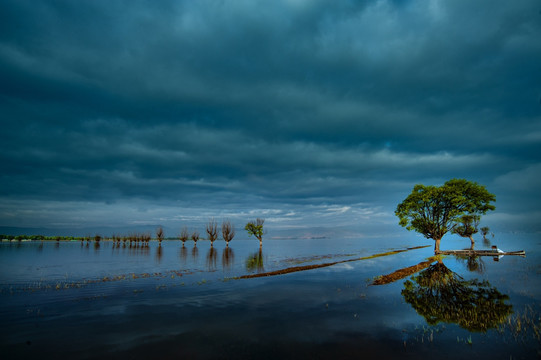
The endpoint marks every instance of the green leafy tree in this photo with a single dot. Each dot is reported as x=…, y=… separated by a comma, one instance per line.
x=440, y=295
x=435, y=210
x=255, y=228
x=484, y=231
x=466, y=226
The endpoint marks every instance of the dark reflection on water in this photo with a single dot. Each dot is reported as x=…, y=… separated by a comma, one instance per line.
x=138, y=249
x=195, y=253
x=254, y=262
x=441, y=295
x=473, y=263
x=212, y=256
x=183, y=252
x=228, y=258
x=159, y=253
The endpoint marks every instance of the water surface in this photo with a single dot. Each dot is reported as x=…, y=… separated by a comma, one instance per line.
x=83, y=300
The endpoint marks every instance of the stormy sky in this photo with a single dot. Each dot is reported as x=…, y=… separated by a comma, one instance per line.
x=311, y=114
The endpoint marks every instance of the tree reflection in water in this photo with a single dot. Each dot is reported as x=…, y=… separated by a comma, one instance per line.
x=183, y=254
x=136, y=250
x=473, y=263
x=159, y=253
x=440, y=295
x=195, y=253
x=212, y=255
x=228, y=258
x=255, y=261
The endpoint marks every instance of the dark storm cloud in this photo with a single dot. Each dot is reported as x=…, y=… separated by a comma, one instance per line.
x=275, y=107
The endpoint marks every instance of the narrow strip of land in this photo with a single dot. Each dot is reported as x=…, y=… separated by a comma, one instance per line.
x=469, y=252
x=318, y=266
x=402, y=273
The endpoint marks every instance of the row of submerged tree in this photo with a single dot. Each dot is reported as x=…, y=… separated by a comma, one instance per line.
x=227, y=230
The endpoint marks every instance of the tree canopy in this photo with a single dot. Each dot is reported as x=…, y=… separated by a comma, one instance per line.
x=435, y=210
x=255, y=228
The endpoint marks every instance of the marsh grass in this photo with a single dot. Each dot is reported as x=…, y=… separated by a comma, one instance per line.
x=523, y=326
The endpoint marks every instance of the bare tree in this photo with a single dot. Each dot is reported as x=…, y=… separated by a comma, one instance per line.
x=146, y=238
x=195, y=237
x=212, y=231
x=159, y=234
x=183, y=236
x=228, y=231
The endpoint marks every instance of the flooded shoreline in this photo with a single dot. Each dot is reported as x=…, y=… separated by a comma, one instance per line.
x=169, y=301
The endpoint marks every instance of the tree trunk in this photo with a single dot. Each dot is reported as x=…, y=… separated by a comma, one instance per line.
x=472, y=242
x=437, y=246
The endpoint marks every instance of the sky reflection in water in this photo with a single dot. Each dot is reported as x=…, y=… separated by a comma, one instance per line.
x=170, y=301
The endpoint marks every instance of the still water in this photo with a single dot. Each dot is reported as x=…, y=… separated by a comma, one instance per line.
x=88, y=300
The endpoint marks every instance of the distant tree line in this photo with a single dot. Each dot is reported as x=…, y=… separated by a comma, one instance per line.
x=254, y=228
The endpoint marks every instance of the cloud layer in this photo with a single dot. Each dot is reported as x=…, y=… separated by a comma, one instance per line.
x=118, y=112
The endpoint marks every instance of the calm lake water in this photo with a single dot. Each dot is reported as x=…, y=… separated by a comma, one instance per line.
x=79, y=300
